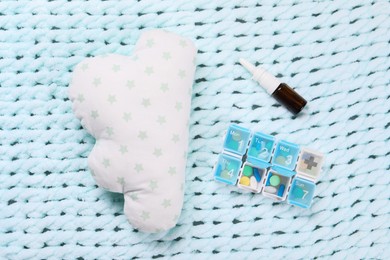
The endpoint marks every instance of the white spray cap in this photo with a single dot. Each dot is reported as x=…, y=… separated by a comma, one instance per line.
x=268, y=81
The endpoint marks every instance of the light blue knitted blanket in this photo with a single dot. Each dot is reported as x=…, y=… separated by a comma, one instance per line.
x=335, y=53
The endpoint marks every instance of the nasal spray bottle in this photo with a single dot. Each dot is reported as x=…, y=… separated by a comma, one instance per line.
x=284, y=94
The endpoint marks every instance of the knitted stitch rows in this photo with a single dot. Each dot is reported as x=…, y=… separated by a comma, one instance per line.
x=335, y=54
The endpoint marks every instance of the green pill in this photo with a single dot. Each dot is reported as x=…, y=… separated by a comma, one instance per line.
x=248, y=171
x=274, y=180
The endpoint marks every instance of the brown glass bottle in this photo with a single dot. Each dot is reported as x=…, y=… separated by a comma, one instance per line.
x=280, y=91
x=287, y=96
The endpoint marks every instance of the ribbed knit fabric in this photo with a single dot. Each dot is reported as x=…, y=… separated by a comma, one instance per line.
x=336, y=54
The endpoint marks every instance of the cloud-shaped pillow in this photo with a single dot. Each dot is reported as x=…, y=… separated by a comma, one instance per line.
x=138, y=109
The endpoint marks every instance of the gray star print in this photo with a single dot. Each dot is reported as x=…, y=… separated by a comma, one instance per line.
x=166, y=203
x=146, y=102
x=164, y=87
x=149, y=71
x=175, y=138
x=150, y=43
x=123, y=149
x=126, y=116
x=106, y=163
x=178, y=106
x=172, y=170
x=161, y=120
x=182, y=74
x=153, y=185
x=145, y=215
x=80, y=98
x=111, y=99
x=120, y=180
x=138, y=167
x=134, y=197
x=142, y=135
x=183, y=43
x=94, y=114
x=84, y=67
x=167, y=55
x=130, y=84
x=157, y=152
x=110, y=131
x=97, y=81
x=116, y=68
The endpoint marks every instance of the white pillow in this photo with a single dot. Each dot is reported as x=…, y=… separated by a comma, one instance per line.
x=138, y=109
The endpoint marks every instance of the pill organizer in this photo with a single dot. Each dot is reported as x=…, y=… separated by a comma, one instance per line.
x=257, y=162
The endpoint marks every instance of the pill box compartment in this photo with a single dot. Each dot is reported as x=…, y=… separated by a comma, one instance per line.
x=285, y=155
x=261, y=147
x=301, y=193
x=227, y=169
x=236, y=140
x=309, y=164
x=277, y=183
x=251, y=177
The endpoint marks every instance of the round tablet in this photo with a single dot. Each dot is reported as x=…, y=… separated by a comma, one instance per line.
x=274, y=180
x=281, y=160
x=248, y=171
x=236, y=136
x=225, y=174
x=245, y=181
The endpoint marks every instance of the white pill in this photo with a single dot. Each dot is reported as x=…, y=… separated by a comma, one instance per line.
x=253, y=183
x=270, y=189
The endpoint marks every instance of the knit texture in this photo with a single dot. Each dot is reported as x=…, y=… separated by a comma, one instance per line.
x=334, y=53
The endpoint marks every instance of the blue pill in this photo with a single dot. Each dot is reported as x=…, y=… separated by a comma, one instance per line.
x=281, y=190
x=256, y=174
x=269, y=177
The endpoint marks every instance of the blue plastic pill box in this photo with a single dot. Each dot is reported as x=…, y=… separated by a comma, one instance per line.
x=286, y=172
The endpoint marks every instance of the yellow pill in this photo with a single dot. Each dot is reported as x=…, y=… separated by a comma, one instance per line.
x=245, y=181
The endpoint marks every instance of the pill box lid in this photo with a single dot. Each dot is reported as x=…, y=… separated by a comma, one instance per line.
x=297, y=203
x=289, y=144
x=294, y=153
x=264, y=136
x=228, y=157
x=305, y=174
x=283, y=171
x=258, y=163
x=269, y=139
x=234, y=127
